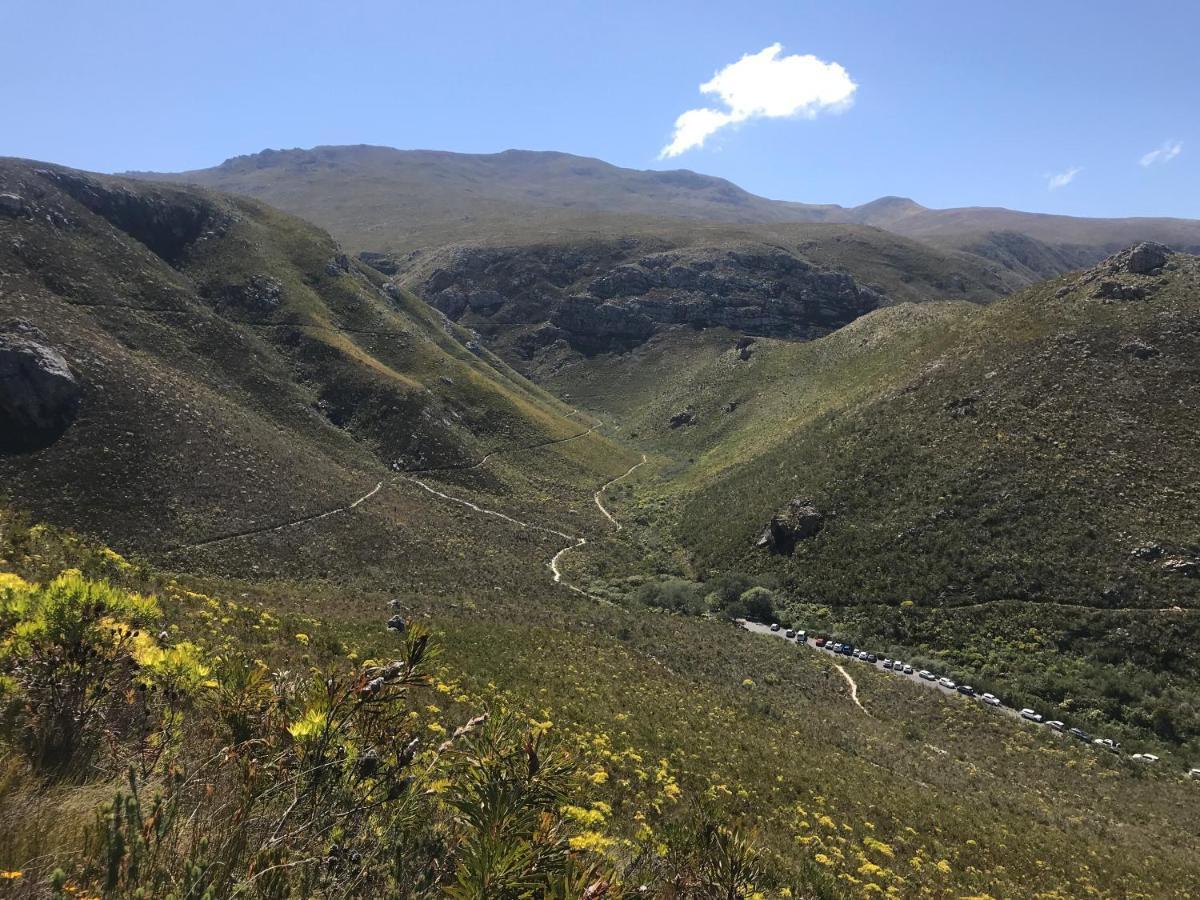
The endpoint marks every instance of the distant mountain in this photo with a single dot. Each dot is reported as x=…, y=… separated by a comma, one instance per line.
x=379, y=198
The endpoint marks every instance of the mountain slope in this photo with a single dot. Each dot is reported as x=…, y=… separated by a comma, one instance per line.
x=1004, y=489
x=378, y=198
x=241, y=376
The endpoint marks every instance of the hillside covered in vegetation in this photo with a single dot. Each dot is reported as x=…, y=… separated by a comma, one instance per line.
x=305, y=592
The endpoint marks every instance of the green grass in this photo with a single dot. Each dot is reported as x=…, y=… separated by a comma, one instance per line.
x=1009, y=531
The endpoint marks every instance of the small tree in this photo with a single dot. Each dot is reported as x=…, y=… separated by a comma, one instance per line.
x=759, y=603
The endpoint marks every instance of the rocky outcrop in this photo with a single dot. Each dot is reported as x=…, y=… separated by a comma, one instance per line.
x=1139, y=349
x=1146, y=258
x=798, y=521
x=613, y=296
x=1184, y=566
x=380, y=262
x=1132, y=274
x=39, y=397
x=165, y=220
x=683, y=417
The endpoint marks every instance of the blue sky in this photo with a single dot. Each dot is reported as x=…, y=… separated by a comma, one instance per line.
x=953, y=103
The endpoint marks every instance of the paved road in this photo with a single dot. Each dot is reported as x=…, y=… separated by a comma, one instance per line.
x=759, y=628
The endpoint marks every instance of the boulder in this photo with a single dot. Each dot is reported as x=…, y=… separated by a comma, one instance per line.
x=1147, y=257
x=1139, y=349
x=1149, y=551
x=962, y=408
x=798, y=521
x=1115, y=290
x=39, y=397
x=1179, y=565
x=12, y=205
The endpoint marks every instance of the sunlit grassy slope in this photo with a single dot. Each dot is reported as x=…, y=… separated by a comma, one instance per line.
x=986, y=475
x=923, y=795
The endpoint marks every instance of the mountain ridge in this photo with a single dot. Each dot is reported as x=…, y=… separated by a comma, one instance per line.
x=382, y=198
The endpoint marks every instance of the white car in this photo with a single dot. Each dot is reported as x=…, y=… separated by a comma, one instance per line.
x=908, y=670
x=1108, y=744
x=1145, y=757
x=946, y=683
x=927, y=675
x=1193, y=773
x=1032, y=716
x=1056, y=725
x=991, y=700
x=887, y=663
x=802, y=636
x=774, y=626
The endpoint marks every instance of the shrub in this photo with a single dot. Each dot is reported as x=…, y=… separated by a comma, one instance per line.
x=674, y=594
x=68, y=658
x=759, y=603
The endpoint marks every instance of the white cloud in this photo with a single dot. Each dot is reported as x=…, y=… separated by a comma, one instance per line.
x=1062, y=179
x=763, y=85
x=1164, y=154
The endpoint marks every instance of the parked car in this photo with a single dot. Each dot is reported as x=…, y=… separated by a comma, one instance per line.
x=908, y=670
x=789, y=633
x=946, y=683
x=1056, y=724
x=1081, y=735
x=774, y=626
x=802, y=636
x=848, y=649
x=926, y=674
x=1031, y=715
x=991, y=700
x=887, y=663
x=837, y=647
x=872, y=658
x=966, y=690
x=820, y=642
x=1108, y=744
x=1145, y=757
x=1193, y=773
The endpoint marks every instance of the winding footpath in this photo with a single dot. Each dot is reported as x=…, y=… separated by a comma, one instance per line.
x=282, y=526
x=409, y=476
x=853, y=688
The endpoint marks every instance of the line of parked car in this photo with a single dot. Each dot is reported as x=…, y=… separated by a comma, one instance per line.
x=894, y=665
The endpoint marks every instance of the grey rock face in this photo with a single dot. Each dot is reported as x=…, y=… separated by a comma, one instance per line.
x=797, y=522
x=380, y=262
x=1146, y=257
x=612, y=297
x=12, y=206
x=39, y=397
